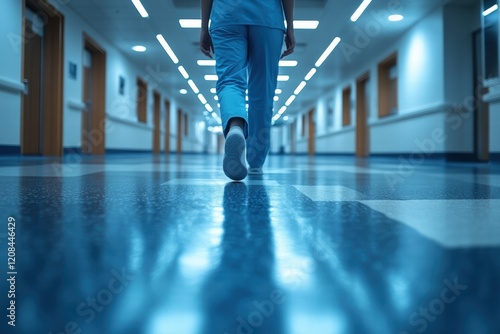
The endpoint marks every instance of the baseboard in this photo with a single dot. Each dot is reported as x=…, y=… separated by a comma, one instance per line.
x=126, y=151
x=72, y=150
x=10, y=150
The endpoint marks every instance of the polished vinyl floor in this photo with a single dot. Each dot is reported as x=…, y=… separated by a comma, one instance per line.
x=167, y=245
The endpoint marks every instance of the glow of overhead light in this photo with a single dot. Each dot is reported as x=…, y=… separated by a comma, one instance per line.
x=490, y=10
x=305, y=24
x=140, y=8
x=328, y=51
x=282, y=110
x=283, y=77
x=360, y=10
x=290, y=100
x=216, y=98
x=189, y=23
x=193, y=86
x=211, y=77
x=206, y=62
x=202, y=99
x=288, y=63
x=183, y=72
x=183, y=91
x=276, y=99
x=213, y=90
x=218, y=105
x=209, y=107
x=246, y=105
x=246, y=98
x=286, y=118
x=167, y=48
x=309, y=75
x=139, y=48
x=395, y=18
x=300, y=88
x=278, y=91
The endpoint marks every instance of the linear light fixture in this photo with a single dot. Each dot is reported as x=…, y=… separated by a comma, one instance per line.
x=206, y=62
x=211, y=77
x=190, y=23
x=290, y=100
x=193, y=86
x=283, y=77
x=282, y=110
x=328, y=51
x=213, y=90
x=276, y=98
x=490, y=10
x=167, y=48
x=216, y=98
x=288, y=63
x=297, y=24
x=202, y=99
x=305, y=24
x=300, y=88
x=183, y=72
x=309, y=75
x=360, y=10
x=140, y=8
x=209, y=108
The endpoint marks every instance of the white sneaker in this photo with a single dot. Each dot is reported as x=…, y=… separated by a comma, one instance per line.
x=234, y=164
x=255, y=171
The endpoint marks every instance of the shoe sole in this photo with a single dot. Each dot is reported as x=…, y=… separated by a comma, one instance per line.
x=234, y=150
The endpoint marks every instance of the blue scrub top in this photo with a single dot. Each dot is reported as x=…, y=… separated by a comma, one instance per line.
x=267, y=13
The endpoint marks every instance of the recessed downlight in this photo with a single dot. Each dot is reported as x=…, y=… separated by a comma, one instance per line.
x=183, y=91
x=139, y=48
x=396, y=18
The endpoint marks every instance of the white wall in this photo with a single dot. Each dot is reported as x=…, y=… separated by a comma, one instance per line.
x=10, y=72
x=122, y=129
x=429, y=84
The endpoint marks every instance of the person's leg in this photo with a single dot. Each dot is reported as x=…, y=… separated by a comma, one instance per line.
x=231, y=49
x=264, y=53
x=230, y=46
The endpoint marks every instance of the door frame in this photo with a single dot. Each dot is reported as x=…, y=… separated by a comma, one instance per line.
x=156, y=122
x=51, y=124
x=362, y=129
x=96, y=137
x=167, y=126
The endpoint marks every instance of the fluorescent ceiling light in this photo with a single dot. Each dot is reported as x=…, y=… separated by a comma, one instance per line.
x=300, y=88
x=276, y=99
x=139, y=48
x=290, y=100
x=190, y=23
x=213, y=90
x=246, y=98
x=328, y=51
x=183, y=72
x=360, y=10
x=283, y=77
x=216, y=98
x=246, y=106
x=202, y=99
x=286, y=118
x=396, y=18
x=311, y=73
x=278, y=91
x=206, y=62
x=288, y=63
x=193, y=86
x=183, y=91
x=140, y=8
x=490, y=10
x=282, y=110
x=211, y=77
x=209, y=108
x=305, y=24
x=167, y=48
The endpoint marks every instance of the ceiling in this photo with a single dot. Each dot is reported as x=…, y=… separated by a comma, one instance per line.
x=120, y=23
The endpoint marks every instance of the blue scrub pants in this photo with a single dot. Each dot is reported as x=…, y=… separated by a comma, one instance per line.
x=248, y=58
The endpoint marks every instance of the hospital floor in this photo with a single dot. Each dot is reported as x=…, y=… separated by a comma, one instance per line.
x=146, y=244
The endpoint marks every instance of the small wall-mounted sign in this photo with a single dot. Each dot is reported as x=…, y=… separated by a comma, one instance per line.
x=72, y=70
x=121, y=85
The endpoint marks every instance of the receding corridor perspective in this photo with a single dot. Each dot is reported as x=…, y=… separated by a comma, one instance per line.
x=378, y=210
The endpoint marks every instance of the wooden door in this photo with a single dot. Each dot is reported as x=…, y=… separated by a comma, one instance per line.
x=167, y=127
x=311, y=140
x=156, y=116
x=179, y=131
x=362, y=131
